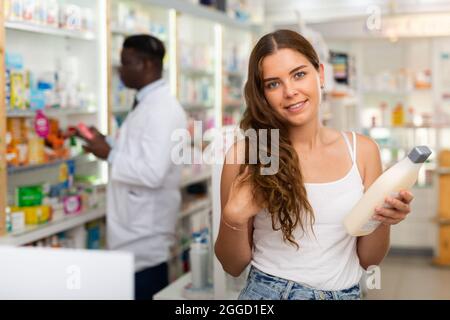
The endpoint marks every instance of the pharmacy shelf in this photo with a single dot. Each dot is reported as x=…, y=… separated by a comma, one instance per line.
x=191, y=72
x=123, y=32
x=22, y=169
x=196, y=206
x=195, y=178
x=186, y=7
x=35, y=233
x=405, y=127
x=174, y=291
x=233, y=104
x=30, y=27
x=398, y=93
x=50, y=112
x=177, y=251
x=442, y=171
x=121, y=109
x=196, y=107
x=233, y=74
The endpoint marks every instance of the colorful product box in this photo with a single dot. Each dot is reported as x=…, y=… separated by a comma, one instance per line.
x=34, y=215
x=29, y=196
x=17, y=93
x=72, y=204
x=17, y=221
x=16, y=9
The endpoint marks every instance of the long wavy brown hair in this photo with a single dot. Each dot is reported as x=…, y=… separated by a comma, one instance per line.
x=282, y=193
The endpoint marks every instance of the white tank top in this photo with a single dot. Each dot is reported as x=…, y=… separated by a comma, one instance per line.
x=327, y=259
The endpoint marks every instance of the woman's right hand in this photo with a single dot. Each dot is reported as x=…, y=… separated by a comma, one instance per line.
x=241, y=205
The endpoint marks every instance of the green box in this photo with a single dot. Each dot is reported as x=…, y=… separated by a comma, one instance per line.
x=29, y=196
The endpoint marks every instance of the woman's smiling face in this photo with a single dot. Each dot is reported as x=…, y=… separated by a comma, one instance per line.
x=292, y=86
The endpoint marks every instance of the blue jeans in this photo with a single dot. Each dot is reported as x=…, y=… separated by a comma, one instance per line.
x=262, y=286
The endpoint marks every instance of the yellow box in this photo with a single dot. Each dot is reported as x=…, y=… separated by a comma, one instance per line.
x=35, y=215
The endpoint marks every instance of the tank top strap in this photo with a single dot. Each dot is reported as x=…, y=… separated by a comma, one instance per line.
x=354, y=146
x=351, y=150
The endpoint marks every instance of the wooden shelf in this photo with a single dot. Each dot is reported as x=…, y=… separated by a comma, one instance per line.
x=35, y=233
x=35, y=28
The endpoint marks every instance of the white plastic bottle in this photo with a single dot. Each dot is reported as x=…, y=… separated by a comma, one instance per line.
x=198, y=257
x=402, y=175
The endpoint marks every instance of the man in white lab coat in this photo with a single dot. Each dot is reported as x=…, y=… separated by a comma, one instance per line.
x=143, y=192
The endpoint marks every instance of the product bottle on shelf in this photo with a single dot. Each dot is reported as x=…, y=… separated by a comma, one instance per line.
x=198, y=256
x=398, y=115
x=410, y=117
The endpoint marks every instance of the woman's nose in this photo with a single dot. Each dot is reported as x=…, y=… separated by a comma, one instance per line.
x=290, y=90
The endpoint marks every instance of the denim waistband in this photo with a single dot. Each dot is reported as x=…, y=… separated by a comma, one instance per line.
x=263, y=286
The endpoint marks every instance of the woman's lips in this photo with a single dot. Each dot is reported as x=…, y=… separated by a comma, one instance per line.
x=296, y=106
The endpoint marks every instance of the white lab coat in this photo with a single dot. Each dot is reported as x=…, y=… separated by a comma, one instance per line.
x=143, y=193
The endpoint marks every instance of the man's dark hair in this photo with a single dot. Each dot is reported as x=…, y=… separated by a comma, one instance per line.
x=149, y=46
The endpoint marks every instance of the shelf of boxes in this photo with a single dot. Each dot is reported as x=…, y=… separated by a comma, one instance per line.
x=66, y=83
x=52, y=31
x=236, y=50
x=21, y=169
x=128, y=18
x=37, y=232
x=50, y=112
x=196, y=68
x=400, y=105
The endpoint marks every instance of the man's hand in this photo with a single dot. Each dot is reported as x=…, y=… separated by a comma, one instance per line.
x=97, y=145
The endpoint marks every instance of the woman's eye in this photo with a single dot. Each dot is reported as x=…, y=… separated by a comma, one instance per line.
x=272, y=85
x=299, y=75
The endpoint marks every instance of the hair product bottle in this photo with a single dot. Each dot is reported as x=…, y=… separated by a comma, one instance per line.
x=402, y=175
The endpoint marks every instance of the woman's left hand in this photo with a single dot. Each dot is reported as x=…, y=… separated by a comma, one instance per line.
x=398, y=208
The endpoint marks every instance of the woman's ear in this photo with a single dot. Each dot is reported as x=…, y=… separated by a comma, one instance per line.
x=321, y=76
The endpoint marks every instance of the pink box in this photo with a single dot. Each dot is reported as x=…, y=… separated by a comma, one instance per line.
x=72, y=204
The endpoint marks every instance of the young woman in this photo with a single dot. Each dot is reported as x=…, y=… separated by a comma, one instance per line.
x=289, y=225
